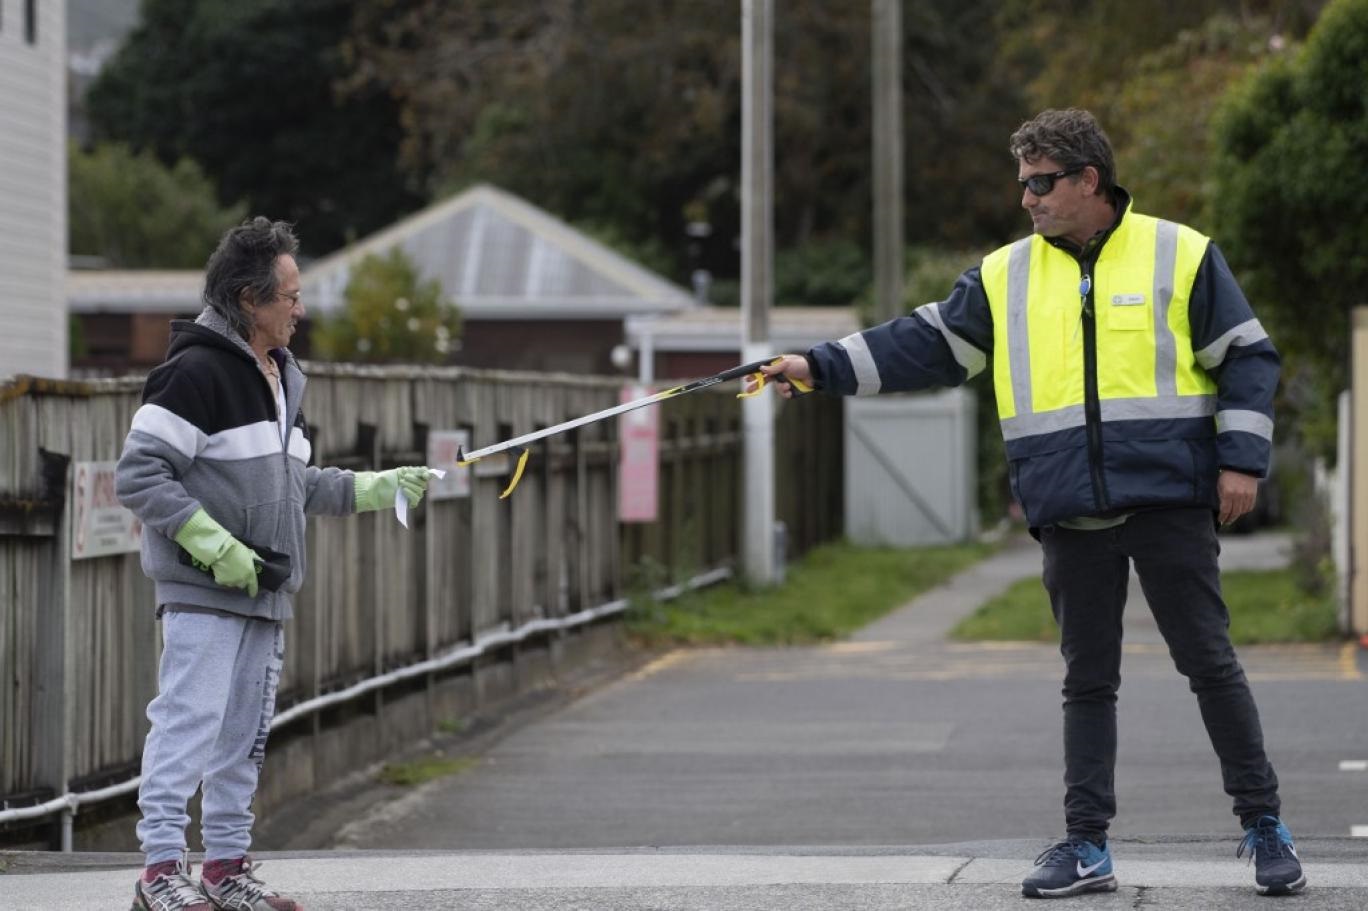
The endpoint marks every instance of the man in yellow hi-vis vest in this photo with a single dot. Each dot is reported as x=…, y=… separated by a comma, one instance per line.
x=1135, y=391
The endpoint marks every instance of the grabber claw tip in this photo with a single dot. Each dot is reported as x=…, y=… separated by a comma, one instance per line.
x=517, y=474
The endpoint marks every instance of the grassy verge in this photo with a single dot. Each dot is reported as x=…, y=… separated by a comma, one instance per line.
x=833, y=591
x=1021, y=613
x=1265, y=606
x=419, y=771
x=1269, y=607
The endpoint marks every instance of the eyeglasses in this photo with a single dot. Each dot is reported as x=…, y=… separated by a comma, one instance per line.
x=1043, y=184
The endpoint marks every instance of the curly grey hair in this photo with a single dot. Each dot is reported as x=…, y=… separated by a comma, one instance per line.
x=245, y=261
x=1070, y=137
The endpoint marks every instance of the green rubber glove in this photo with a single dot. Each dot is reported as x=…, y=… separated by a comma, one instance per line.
x=376, y=489
x=234, y=564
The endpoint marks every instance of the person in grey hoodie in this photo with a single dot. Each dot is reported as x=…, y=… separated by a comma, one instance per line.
x=216, y=466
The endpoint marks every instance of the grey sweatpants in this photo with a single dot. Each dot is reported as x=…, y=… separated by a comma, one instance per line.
x=216, y=693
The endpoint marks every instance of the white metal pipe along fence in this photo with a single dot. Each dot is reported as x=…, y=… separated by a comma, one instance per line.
x=70, y=803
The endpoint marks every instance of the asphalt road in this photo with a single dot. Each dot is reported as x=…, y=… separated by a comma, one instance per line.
x=892, y=771
x=897, y=737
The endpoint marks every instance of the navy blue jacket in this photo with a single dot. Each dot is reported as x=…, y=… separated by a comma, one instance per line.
x=1142, y=464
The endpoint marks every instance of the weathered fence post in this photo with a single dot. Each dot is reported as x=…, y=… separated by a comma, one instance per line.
x=52, y=682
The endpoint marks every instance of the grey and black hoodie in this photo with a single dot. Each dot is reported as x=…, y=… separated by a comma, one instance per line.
x=207, y=436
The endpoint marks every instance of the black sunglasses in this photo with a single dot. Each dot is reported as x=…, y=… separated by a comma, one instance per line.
x=1043, y=184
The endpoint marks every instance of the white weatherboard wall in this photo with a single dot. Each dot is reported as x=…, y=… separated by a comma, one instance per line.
x=911, y=469
x=33, y=162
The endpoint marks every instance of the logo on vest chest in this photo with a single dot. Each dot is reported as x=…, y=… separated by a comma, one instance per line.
x=1128, y=300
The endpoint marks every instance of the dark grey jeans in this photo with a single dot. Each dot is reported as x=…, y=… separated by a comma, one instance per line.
x=1086, y=574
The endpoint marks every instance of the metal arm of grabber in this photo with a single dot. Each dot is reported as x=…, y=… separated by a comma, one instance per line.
x=520, y=442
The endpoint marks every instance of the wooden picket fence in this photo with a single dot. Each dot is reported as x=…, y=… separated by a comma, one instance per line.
x=78, y=637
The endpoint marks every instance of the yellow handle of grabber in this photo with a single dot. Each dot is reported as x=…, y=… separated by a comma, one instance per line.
x=761, y=379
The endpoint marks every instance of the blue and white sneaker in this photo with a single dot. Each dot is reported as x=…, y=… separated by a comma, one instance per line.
x=1070, y=867
x=1277, y=869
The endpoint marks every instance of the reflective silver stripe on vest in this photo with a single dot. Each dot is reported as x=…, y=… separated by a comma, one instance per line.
x=1146, y=409
x=1165, y=348
x=966, y=355
x=862, y=362
x=1161, y=409
x=1247, y=333
x=1246, y=422
x=1018, y=328
x=1030, y=425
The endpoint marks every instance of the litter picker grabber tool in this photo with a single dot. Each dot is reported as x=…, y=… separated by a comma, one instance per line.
x=466, y=458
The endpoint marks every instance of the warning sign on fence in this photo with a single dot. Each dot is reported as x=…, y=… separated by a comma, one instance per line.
x=638, y=460
x=100, y=526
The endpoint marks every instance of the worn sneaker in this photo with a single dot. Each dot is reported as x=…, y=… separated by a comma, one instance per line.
x=1070, y=867
x=241, y=890
x=1277, y=870
x=172, y=891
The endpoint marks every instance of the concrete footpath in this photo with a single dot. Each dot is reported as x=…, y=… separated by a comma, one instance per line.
x=849, y=776
x=1198, y=876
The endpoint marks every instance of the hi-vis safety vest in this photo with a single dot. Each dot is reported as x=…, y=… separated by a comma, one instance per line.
x=1126, y=378
x=1138, y=293
x=1102, y=402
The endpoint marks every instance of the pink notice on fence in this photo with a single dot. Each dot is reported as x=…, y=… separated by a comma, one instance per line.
x=638, y=459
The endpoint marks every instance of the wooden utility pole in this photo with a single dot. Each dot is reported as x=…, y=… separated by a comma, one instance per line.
x=1357, y=472
x=757, y=265
x=886, y=66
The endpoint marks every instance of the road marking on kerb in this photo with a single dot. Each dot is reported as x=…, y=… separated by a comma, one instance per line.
x=1355, y=765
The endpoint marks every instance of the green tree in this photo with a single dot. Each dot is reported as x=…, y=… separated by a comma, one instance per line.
x=831, y=273
x=1291, y=203
x=609, y=111
x=1078, y=53
x=246, y=88
x=133, y=212
x=1153, y=73
x=1166, y=107
x=390, y=316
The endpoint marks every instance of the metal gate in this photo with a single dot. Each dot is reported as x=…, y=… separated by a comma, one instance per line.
x=911, y=468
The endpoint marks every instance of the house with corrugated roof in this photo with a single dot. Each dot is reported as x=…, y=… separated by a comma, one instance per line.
x=122, y=317
x=534, y=293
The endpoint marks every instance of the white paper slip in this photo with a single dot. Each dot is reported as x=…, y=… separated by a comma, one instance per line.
x=401, y=501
